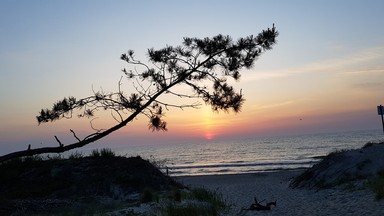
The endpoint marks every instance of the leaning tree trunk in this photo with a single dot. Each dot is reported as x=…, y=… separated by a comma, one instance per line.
x=93, y=137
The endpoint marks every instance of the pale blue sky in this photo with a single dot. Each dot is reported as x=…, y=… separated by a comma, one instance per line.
x=328, y=63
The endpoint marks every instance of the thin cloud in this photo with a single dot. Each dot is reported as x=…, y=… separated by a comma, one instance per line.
x=373, y=72
x=366, y=58
x=366, y=80
x=370, y=86
x=270, y=106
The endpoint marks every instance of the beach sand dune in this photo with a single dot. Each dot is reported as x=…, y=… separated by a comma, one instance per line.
x=239, y=191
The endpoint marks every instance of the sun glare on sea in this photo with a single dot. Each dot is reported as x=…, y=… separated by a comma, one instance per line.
x=208, y=124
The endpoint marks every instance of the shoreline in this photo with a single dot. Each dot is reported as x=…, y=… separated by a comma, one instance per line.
x=301, y=169
x=239, y=191
x=236, y=168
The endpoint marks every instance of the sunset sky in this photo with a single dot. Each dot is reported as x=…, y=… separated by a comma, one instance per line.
x=325, y=74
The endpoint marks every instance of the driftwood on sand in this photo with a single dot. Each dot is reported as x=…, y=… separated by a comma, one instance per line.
x=257, y=206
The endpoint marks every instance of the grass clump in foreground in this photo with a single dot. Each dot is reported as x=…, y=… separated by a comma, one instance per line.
x=175, y=202
x=105, y=152
x=196, y=202
x=377, y=185
x=212, y=197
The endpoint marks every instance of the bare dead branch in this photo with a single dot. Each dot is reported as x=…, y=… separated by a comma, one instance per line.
x=73, y=132
x=60, y=144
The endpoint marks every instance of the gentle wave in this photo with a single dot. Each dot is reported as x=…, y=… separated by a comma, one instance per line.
x=243, y=165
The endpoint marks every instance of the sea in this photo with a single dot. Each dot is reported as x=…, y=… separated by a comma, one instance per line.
x=250, y=155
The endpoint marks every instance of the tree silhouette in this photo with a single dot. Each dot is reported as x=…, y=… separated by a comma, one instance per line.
x=195, y=63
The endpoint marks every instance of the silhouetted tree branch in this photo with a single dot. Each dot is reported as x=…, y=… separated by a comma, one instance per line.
x=194, y=63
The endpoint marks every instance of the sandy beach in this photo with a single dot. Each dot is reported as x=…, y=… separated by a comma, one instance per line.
x=239, y=191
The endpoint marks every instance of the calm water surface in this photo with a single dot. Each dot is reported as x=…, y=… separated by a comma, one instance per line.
x=251, y=154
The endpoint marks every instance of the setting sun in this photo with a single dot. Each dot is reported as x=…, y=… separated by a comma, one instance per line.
x=209, y=136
